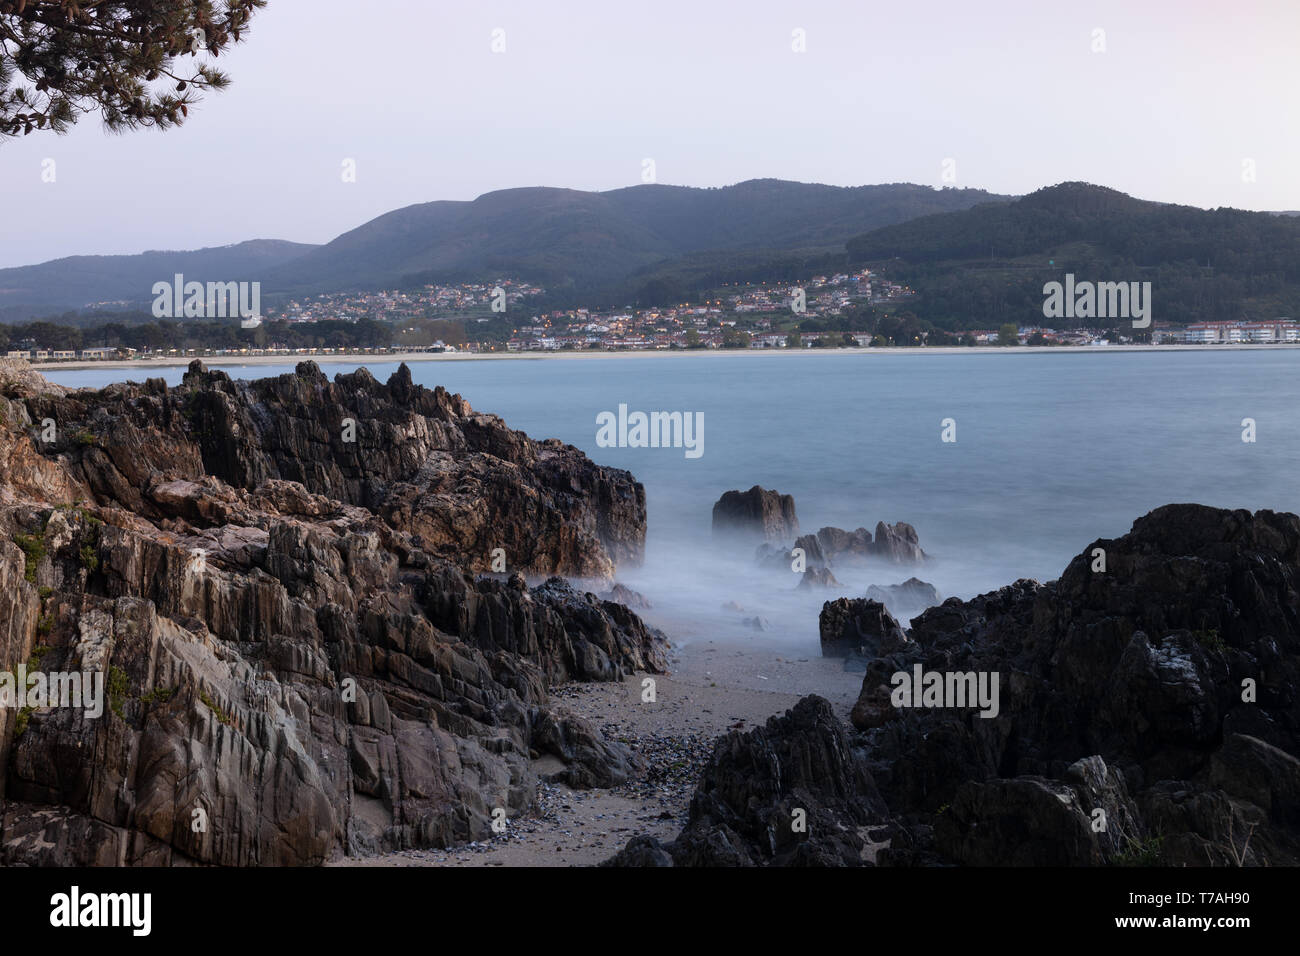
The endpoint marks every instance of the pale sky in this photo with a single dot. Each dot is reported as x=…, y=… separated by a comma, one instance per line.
x=1185, y=94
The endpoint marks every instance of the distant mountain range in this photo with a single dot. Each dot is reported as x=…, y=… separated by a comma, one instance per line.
x=987, y=265
x=561, y=238
x=81, y=281
x=976, y=259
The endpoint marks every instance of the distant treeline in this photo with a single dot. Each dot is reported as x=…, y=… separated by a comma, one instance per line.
x=196, y=334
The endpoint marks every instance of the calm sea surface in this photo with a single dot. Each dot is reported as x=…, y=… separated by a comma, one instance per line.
x=1052, y=452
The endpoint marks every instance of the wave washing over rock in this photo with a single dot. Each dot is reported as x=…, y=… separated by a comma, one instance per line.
x=1148, y=713
x=300, y=659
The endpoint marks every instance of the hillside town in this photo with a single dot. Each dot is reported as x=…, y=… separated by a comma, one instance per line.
x=747, y=316
x=741, y=316
x=398, y=306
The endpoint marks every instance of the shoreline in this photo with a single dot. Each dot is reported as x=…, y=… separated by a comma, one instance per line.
x=361, y=358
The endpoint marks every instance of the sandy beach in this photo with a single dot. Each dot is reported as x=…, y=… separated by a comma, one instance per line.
x=714, y=687
x=370, y=358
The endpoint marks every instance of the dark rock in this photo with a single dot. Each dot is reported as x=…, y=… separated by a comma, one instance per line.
x=791, y=793
x=812, y=551
x=837, y=544
x=1141, y=667
x=641, y=851
x=858, y=626
x=296, y=642
x=756, y=514
x=897, y=543
x=1149, y=714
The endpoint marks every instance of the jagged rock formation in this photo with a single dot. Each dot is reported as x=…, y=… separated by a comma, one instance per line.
x=831, y=547
x=845, y=545
x=1179, y=660
x=897, y=543
x=756, y=514
x=812, y=549
x=858, y=626
x=297, y=652
x=790, y=793
x=1149, y=713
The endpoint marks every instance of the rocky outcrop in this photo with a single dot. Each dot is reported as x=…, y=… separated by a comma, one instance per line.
x=897, y=543
x=860, y=627
x=459, y=481
x=1148, y=713
x=1084, y=819
x=1179, y=660
x=836, y=543
x=756, y=514
x=790, y=793
x=299, y=658
x=812, y=551
x=832, y=547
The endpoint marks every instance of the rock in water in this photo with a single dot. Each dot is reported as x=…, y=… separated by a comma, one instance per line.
x=276, y=582
x=897, y=543
x=756, y=514
x=838, y=544
x=812, y=551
